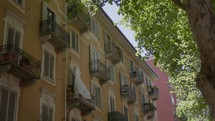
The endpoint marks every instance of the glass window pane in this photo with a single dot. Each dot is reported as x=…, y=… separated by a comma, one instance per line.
x=51, y=67
x=17, y=39
x=11, y=109
x=46, y=63
x=4, y=103
x=50, y=114
x=10, y=35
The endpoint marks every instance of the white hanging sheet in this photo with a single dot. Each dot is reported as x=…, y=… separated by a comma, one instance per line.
x=79, y=86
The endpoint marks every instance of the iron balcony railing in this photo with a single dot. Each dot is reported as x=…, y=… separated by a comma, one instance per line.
x=19, y=63
x=78, y=101
x=60, y=37
x=116, y=116
x=99, y=70
x=113, y=52
x=131, y=95
x=150, y=115
x=80, y=19
x=136, y=76
x=153, y=93
x=147, y=107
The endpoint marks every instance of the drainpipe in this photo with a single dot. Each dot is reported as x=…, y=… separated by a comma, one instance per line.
x=65, y=86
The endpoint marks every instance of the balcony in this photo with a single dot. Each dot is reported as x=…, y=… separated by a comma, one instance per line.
x=78, y=101
x=113, y=52
x=99, y=70
x=55, y=34
x=153, y=93
x=80, y=20
x=124, y=90
x=131, y=96
x=19, y=63
x=116, y=116
x=148, y=107
x=137, y=77
x=150, y=115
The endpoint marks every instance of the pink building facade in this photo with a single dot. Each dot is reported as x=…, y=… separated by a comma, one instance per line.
x=166, y=103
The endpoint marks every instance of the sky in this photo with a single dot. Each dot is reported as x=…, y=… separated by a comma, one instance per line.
x=111, y=10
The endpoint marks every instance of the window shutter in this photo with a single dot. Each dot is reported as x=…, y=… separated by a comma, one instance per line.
x=76, y=41
x=10, y=35
x=50, y=114
x=112, y=107
x=17, y=39
x=131, y=66
x=11, y=106
x=44, y=112
x=73, y=39
x=112, y=73
x=51, y=67
x=46, y=63
x=3, y=106
x=126, y=111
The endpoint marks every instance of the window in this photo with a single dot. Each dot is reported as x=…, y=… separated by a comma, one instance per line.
x=19, y=2
x=141, y=76
x=107, y=43
x=74, y=41
x=47, y=113
x=136, y=117
x=112, y=104
x=111, y=72
x=95, y=27
x=93, y=58
x=8, y=99
x=13, y=29
x=48, y=68
x=143, y=102
x=125, y=111
x=47, y=106
x=50, y=15
x=123, y=80
x=13, y=36
x=96, y=93
x=131, y=66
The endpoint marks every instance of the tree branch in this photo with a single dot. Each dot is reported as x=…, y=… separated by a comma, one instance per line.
x=181, y=5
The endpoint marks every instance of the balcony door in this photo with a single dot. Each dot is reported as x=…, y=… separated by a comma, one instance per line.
x=13, y=36
x=51, y=19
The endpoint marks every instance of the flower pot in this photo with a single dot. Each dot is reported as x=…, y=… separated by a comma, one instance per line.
x=9, y=57
x=25, y=64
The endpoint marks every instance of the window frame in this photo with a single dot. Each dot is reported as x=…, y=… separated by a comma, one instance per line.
x=76, y=41
x=13, y=21
x=48, y=99
x=50, y=50
x=97, y=101
x=48, y=109
x=112, y=107
x=94, y=27
x=15, y=102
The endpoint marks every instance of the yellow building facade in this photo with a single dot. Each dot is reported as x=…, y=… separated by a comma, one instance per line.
x=77, y=68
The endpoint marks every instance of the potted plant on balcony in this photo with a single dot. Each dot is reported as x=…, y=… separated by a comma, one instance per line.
x=25, y=62
x=8, y=55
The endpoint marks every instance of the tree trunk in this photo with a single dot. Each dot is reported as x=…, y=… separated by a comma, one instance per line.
x=202, y=22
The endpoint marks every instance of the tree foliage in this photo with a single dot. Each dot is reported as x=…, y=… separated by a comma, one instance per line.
x=162, y=29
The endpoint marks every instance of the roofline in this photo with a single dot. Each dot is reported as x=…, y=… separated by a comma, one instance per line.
x=117, y=28
x=154, y=74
